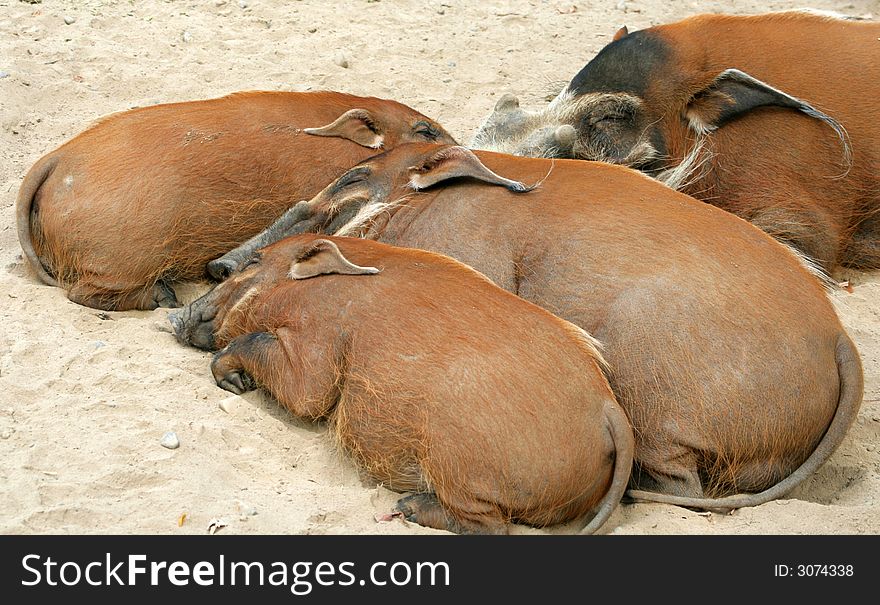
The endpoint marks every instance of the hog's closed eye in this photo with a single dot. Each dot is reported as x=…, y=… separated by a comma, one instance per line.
x=608, y=119
x=351, y=181
x=426, y=130
x=254, y=261
x=352, y=178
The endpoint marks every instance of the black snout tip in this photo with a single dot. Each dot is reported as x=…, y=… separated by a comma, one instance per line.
x=220, y=269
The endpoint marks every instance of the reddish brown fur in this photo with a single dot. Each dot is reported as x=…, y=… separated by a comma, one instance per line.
x=776, y=167
x=433, y=379
x=724, y=350
x=158, y=191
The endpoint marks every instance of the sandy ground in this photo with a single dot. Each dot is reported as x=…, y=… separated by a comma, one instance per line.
x=85, y=397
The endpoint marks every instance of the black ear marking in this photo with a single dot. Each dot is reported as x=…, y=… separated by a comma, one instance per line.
x=747, y=93
x=737, y=93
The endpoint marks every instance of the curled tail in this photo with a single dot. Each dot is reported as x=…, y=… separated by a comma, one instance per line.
x=849, y=370
x=624, y=446
x=34, y=179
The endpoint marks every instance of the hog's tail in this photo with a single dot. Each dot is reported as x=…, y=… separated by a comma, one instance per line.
x=34, y=179
x=849, y=370
x=624, y=447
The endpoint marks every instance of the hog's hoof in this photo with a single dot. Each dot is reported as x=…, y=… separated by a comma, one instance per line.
x=410, y=506
x=97, y=295
x=425, y=509
x=237, y=382
x=407, y=506
x=220, y=268
x=164, y=296
x=229, y=373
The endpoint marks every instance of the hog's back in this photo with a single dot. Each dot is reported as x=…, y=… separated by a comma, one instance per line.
x=179, y=184
x=459, y=384
x=719, y=341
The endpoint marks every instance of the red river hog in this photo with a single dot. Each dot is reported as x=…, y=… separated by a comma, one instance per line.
x=773, y=117
x=146, y=197
x=433, y=379
x=723, y=347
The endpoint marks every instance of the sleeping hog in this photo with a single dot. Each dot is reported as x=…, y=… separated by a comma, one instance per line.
x=723, y=348
x=148, y=196
x=772, y=117
x=434, y=379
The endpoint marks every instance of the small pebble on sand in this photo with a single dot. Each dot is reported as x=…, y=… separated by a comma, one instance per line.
x=170, y=440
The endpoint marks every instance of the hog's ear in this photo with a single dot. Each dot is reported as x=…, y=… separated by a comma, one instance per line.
x=453, y=162
x=323, y=257
x=733, y=93
x=621, y=33
x=356, y=125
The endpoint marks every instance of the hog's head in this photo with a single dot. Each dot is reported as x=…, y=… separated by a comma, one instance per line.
x=366, y=194
x=641, y=102
x=383, y=123
x=228, y=309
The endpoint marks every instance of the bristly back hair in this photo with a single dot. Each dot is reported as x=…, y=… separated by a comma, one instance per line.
x=828, y=283
x=360, y=222
x=692, y=167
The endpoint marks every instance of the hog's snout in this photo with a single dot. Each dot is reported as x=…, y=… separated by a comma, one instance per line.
x=299, y=219
x=221, y=268
x=564, y=136
x=194, y=326
x=554, y=141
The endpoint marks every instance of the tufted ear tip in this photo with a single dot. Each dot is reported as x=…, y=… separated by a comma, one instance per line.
x=456, y=162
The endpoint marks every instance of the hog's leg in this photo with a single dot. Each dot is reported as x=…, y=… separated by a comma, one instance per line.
x=159, y=294
x=674, y=473
x=474, y=516
x=234, y=365
x=297, y=370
